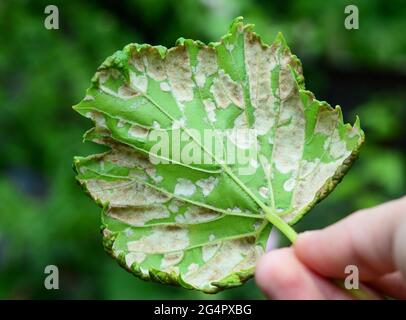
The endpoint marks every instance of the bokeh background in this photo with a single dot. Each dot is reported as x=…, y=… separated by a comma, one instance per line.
x=45, y=218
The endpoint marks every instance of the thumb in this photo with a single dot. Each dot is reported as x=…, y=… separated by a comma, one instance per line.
x=365, y=239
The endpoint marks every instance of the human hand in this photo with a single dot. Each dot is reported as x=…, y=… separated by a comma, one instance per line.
x=374, y=240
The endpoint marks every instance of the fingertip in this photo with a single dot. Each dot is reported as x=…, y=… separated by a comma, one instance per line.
x=305, y=242
x=266, y=266
x=310, y=248
x=271, y=270
x=281, y=276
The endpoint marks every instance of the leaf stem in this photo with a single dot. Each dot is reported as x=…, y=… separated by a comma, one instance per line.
x=281, y=225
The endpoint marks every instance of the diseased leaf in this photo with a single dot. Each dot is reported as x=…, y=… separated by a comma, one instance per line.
x=203, y=224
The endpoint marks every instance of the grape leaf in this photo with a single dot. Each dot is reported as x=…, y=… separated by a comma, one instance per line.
x=203, y=225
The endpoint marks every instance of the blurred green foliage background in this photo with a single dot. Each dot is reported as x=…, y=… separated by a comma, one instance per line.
x=45, y=218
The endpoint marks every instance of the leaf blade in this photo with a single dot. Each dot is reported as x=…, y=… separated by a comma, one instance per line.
x=237, y=83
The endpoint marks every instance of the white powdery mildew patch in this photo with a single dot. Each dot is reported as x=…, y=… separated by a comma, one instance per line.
x=256, y=225
x=192, y=267
x=289, y=184
x=210, y=108
x=208, y=251
x=106, y=232
x=307, y=187
x=229, y=47
x=221, y=264
x=125, y=92
x=138, y=103
x=326, y=122
x=117, y=252
x=123, y=160
x=264, y=192
x=287, y=83
x=156, y=125
x=240, y=135
x=290, y=136
x=139, y=216
x=152, y=173
x=154, y=66
x=184, y=187
x=144, y=271
x=137, y=132
x=124, y=193
x=179, y=74
x=158, y=179
x=165, y=86
x=353, y=132
x=126, y=157
x=241, y=138
x=196, y=214
x=226, y=91
x=327, y=144
x=137, y=61
x=181, y=106
x=250, y=259
x=265, y=118
x=171, y=259
x=337, y=147
x=161, y=240
x=207, y=185
x=307, y=167
x=254, y=163
x=240, y=122
x=88, y=97
x=259, y=62
x=128, y=232
x=121, y=124
x=139, y=82
x=206, y=65
x=235, y=209
x=137, y=257
x=173, y=206
x=104, y=75
x=98, y=119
